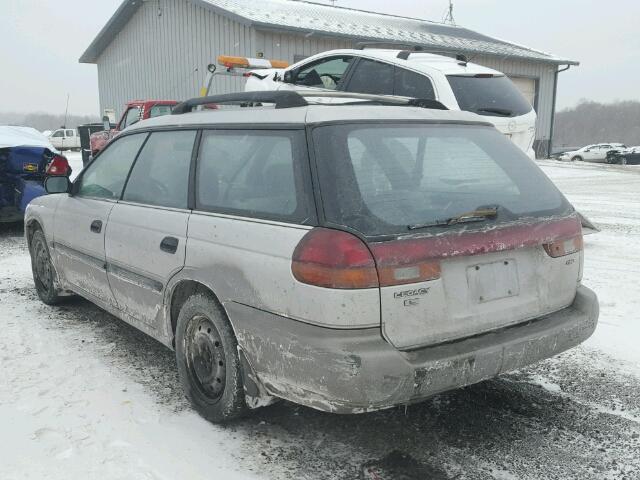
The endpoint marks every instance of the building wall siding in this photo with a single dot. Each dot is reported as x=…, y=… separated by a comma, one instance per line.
x=163, y=53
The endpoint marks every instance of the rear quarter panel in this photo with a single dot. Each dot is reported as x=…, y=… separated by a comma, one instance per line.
x=249, y=262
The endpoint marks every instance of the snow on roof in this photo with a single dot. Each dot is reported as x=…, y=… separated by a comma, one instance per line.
x=309, y=17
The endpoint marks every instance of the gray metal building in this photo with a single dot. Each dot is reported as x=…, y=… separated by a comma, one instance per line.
x=160, y=48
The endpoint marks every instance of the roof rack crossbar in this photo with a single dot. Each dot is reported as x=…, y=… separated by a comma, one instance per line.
x=393, y=45
x=281, y=99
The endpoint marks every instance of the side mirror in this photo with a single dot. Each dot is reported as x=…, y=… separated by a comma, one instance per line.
x=289, y=76
x=57, y=184
x=106, y=124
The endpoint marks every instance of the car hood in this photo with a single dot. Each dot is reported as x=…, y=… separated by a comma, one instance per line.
x=11, y=136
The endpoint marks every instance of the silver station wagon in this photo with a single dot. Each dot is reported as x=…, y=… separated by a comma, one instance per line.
x=345, y=257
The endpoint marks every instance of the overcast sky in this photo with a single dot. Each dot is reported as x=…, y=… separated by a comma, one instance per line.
x=41, y=41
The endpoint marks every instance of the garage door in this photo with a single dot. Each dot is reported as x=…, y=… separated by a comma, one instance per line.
x=527, y=86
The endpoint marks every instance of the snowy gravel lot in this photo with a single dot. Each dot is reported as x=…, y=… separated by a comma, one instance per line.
x=83, y=395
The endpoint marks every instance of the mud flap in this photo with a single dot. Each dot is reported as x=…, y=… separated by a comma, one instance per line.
x=255, y=394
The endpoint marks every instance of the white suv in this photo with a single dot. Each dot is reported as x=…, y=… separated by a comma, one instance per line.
x=455, y=82
x=345, y=257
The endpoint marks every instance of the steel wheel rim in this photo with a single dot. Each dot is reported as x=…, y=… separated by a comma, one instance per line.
x=205, y=358
x=44, y=274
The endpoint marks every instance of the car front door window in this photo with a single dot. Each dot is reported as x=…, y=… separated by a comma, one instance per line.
x=106, y=176
x=133, y=116
x=326, y=73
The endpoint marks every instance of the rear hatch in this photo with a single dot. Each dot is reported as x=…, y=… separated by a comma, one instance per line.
x=468, y=235
x=498, y=99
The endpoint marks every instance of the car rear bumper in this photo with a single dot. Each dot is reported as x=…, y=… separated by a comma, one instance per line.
x=354, y=371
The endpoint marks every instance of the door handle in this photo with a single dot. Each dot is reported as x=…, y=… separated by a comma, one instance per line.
x=169, y=244
x=96, y=226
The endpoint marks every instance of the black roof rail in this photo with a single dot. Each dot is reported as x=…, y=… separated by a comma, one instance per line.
x=281, y=99
x=460, y=57
x=290, y=99
x=391, y=45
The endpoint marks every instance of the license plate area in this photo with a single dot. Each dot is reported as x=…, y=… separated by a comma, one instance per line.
x=493, y=281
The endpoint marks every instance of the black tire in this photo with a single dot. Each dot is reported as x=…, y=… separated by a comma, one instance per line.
x=44, y=275
x=207, y=358
x=577, y=158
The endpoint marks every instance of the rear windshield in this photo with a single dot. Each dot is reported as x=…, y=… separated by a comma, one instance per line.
x=494, y=96
x=390, y=179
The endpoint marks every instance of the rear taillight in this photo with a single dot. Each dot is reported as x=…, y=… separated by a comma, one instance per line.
x=570, y=241
x=401, y=262
x=58, y=166
x=334, y=259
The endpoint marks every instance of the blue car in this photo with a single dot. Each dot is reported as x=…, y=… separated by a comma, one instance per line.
x=26, y=159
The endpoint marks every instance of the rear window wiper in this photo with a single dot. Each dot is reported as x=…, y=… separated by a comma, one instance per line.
x=477, y=215
x=503, y=112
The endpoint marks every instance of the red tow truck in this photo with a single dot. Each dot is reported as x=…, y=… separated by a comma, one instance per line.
x=135, y=111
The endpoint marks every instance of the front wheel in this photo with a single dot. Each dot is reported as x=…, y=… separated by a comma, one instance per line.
x=43, y=271
x=577, y=158
x=207, y=359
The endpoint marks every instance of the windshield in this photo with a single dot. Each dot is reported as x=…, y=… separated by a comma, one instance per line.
x=390, y=179
x=494, y=96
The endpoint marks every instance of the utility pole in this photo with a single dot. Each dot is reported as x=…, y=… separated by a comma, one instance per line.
x=448, y=18
x=66, y=110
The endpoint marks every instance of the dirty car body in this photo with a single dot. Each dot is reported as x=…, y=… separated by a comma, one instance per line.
x=365, y=256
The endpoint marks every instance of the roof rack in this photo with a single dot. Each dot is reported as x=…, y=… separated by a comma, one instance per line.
x=286, y=99
x=460, y=57
x=390, y=45
x=290, y=99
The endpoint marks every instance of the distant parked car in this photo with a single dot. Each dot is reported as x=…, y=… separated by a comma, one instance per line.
x=628, y=156
x=135, y=111
x=456, y=82
x=345, y=257
x=596, y=153
x=26, y=159
x=65, y=139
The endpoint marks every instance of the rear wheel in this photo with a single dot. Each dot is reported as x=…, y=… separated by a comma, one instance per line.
x=207, y=359
x=43, y=271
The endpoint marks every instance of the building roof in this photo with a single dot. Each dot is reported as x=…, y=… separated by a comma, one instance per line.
x=315, y=18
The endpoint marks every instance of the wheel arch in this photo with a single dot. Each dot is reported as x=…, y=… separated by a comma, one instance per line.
x=179, y=292
x=30, y=227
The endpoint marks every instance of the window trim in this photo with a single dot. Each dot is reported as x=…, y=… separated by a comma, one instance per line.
x=305, y=196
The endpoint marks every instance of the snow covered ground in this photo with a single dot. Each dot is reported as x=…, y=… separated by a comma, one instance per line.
x=83, y=395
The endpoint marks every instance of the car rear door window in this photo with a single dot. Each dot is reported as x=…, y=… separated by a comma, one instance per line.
x=252, y=173
x=159, y=110
x=106, y=175
x=412, y=84
x=372, y=77
x=160, y=175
